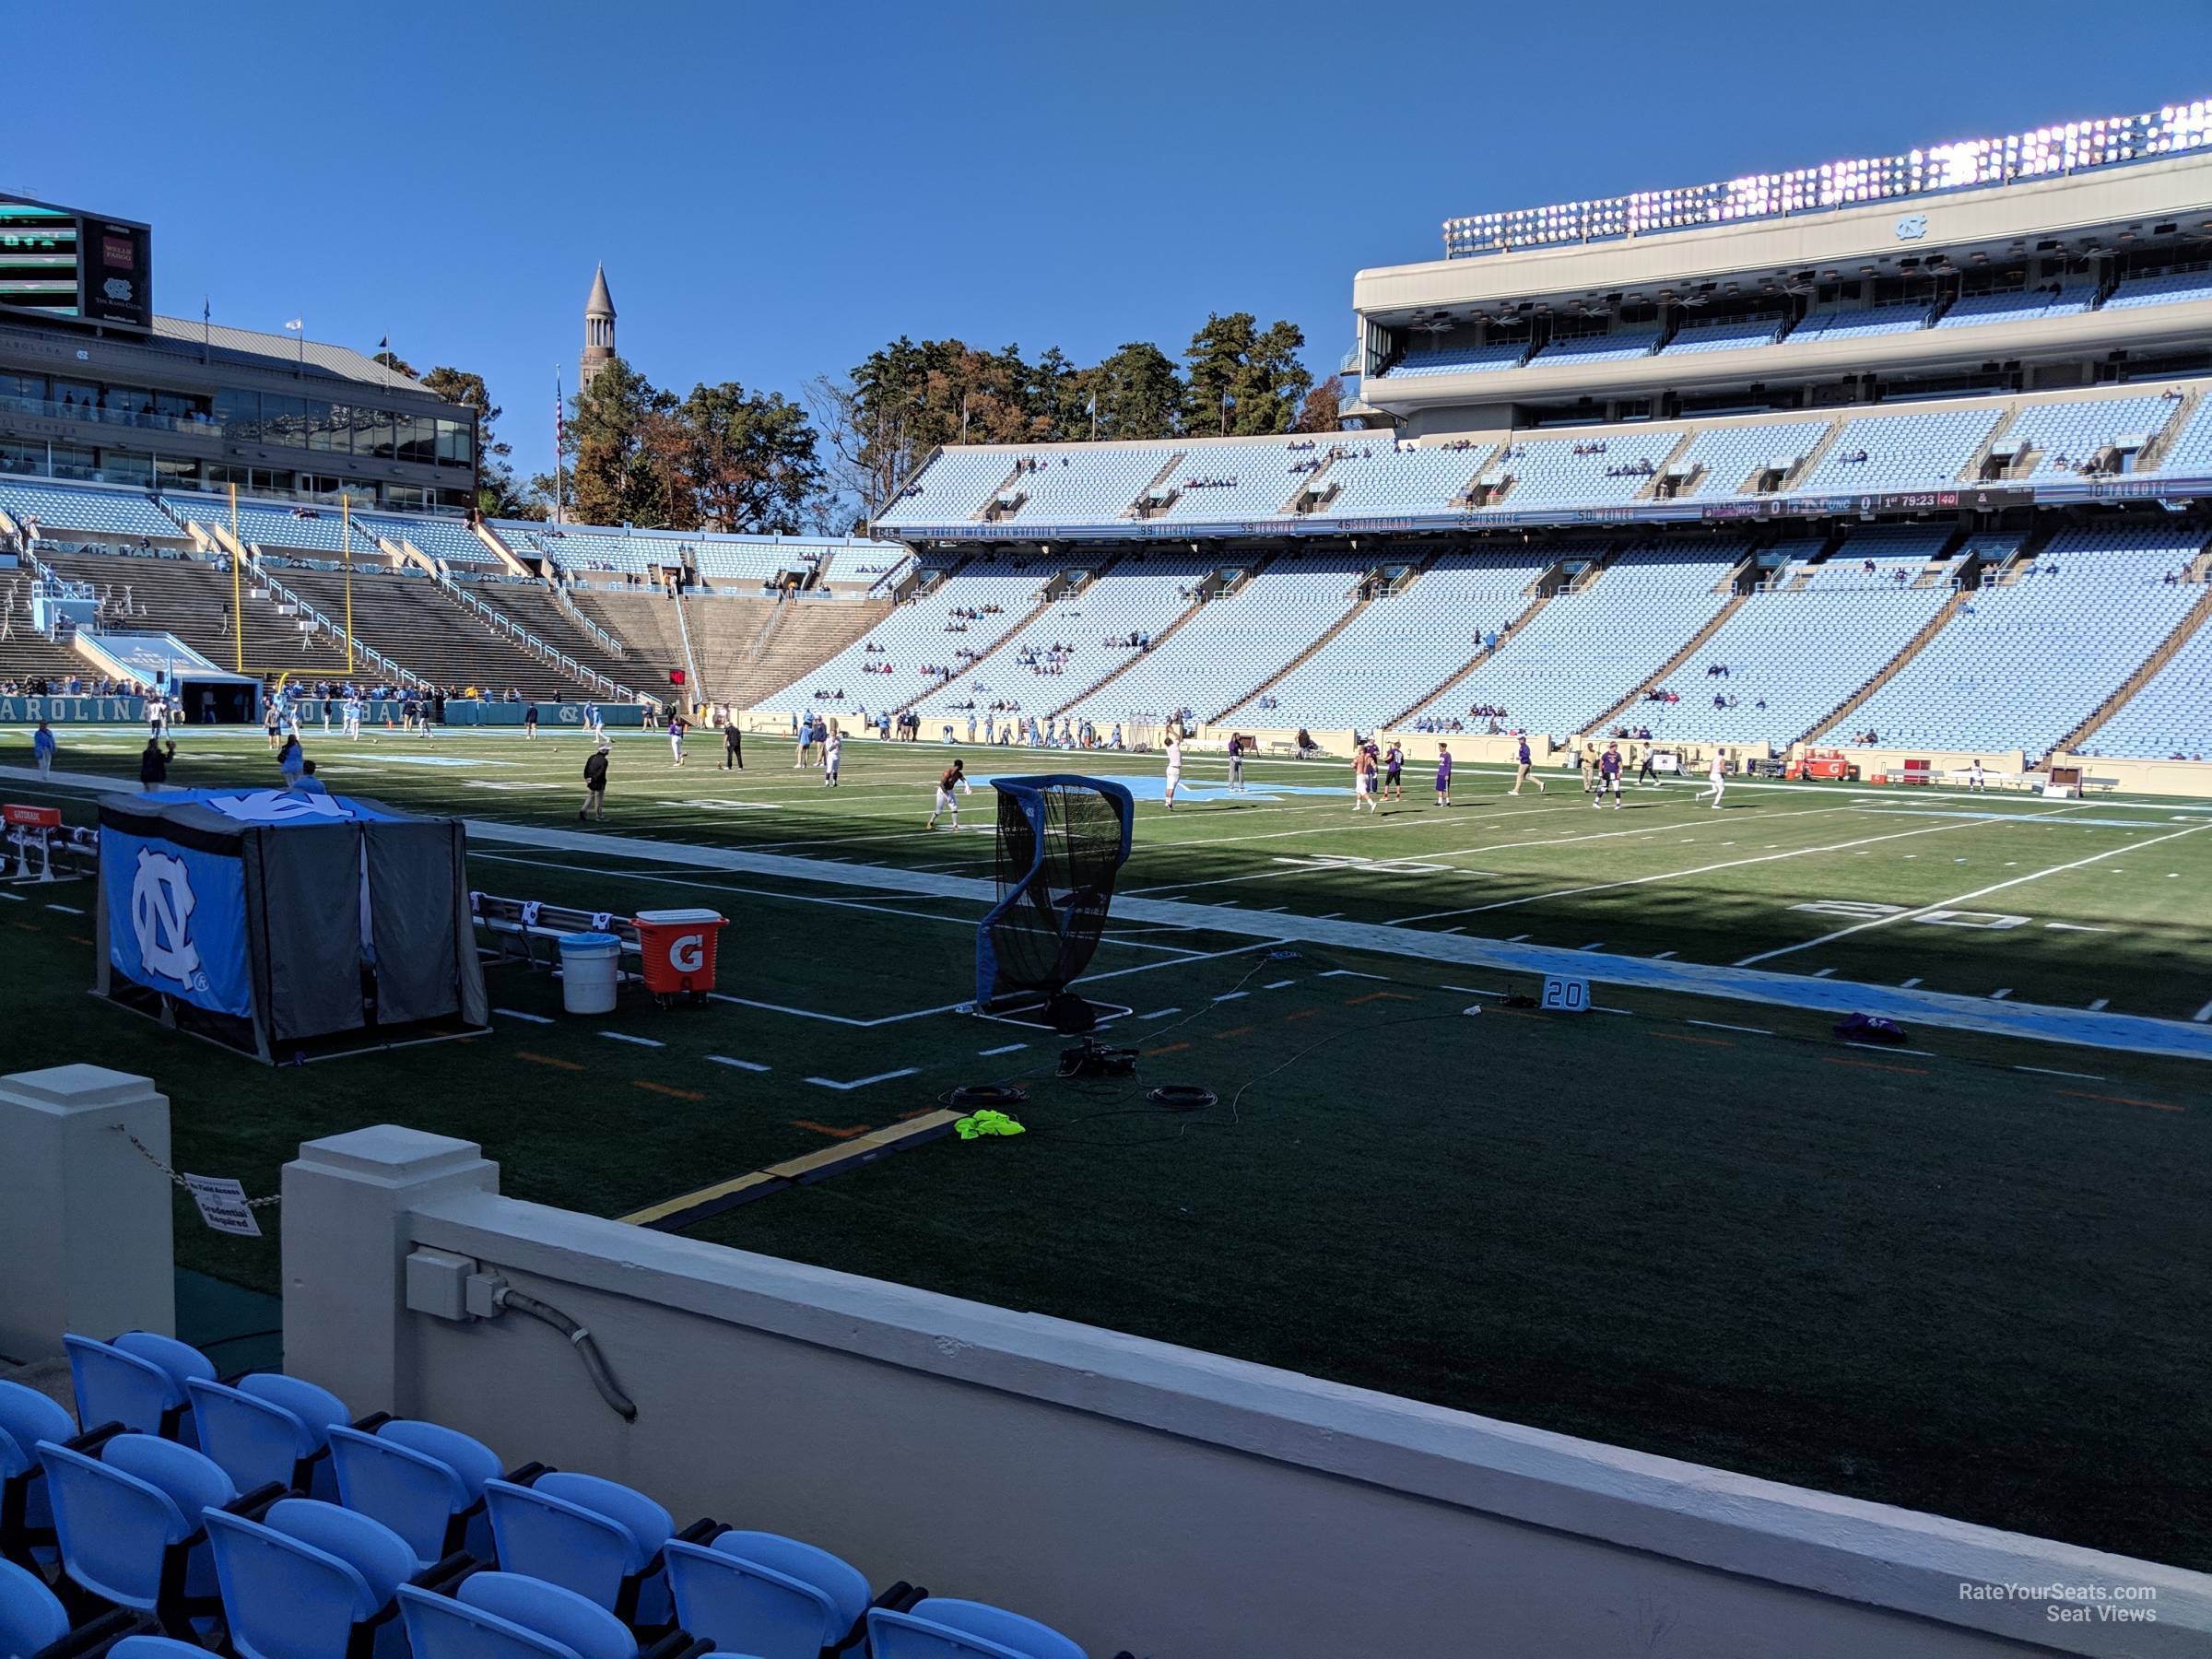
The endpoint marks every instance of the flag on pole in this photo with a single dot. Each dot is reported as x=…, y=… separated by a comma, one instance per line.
x=207, y=309
x=295, y=325
x=384, y=344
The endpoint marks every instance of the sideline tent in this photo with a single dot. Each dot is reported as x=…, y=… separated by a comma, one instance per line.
x=281, y=923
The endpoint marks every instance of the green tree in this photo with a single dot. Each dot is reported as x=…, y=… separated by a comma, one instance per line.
x=1244, y=380
x=1139, y=393
x=621, y=449
x=747, y=462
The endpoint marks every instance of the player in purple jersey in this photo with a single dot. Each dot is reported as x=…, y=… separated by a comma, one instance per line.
x=1443, y=774
x=1521, y=775
x=1608, y=777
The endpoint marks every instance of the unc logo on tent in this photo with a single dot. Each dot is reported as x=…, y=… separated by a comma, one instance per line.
x=161, y=907
x=277, y=806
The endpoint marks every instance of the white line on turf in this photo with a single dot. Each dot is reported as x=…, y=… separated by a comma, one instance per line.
x=1009, y=1048
x=66, y=910
x=1277, y=985
x=2000, y=993
x=1351, y=973
x=518, y=1014
x=1822, y=973
x=2203, y=1013
x=751, y=1065
x=904, y=1071
x=13, y=898
x=1883, y=1048
x=641, y=1041
x=1661, y=956
x=1594, y=944
x=2099, y=1003
x=1231, y=996
x=1714, y=1025
x=1859, y=927
x=1470, y=991
x=2046, y=1071
x=1160, y=1013
x=1908, y=984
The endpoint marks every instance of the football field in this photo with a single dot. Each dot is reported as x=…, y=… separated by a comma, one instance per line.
x=1964, y=1273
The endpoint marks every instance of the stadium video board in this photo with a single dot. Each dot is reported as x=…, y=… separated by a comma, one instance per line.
x=86, y=268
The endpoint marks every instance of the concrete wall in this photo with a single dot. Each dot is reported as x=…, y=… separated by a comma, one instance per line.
x=1135, y=1495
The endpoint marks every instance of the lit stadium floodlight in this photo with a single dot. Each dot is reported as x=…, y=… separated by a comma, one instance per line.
x=1958, y=165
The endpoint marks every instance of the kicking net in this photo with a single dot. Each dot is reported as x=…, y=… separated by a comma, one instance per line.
x=1062, y=841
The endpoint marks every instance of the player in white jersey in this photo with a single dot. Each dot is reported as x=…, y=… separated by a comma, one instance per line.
x=1973, y=775
x=1716, y=776
x=352, y=709
x=1174, y=764
x=156, y=715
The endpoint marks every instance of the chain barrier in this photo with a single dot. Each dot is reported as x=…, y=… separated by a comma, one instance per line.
x=147, y=1152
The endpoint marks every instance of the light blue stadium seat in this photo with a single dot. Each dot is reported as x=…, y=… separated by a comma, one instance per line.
x=772, y=1595
x=131, y=1523
x=309, y=1579
x=600, y=1538
x=30, y=1614
x=138, y=1381
x=270, y=1426
x=941, y=1626
x=424, y=1481
x=155, y=1647
x=507, y=1616
x=26, y=1417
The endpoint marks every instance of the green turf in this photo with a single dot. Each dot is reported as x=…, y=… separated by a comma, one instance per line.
x=1936, y=1278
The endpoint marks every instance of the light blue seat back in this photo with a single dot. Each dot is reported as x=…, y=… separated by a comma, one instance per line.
x=588, y=1534
x=415, y=1477
x=119, y=1515
x=266, y=1427
x=764, y=1595
x=115, y=1386
x=155, y=1647
x=558, y=1614
x=28, y=1417
x=31, y=1617
x=940, y=1626
x=440, y=1628
x=297, y=1584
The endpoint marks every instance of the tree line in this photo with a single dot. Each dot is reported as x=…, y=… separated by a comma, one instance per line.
x=728, y=459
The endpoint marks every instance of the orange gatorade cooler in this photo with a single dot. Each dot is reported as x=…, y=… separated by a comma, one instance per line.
x=677, y=949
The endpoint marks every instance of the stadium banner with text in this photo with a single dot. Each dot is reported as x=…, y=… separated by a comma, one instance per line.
x=177, y=921
x=72, y=710
x=549, y=713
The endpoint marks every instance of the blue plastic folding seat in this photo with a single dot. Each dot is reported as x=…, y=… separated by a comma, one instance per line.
x=765, y=1595
x=506, y=1616
x=155, y=1647
x=310, y=1580
x=26, y=1417
x=131, y=1523
x=138, y=1381
x=31, y=1616
x=600, y=1538
x=269, y=1427
x=939, y=1627
x=424, y=1481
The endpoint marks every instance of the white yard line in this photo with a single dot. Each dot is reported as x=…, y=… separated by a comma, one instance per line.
x=904, y=1071
x=641, y=1041
x=1859, y=927
x=518, y=1014
x=751, y=1065
x=1731, y=863
x=1714, y=1025
x=2046, y=1071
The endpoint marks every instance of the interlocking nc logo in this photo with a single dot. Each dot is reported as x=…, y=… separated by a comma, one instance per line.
x=119, y=290
x=161, y=906
x=688, y=953
x=1913, y=227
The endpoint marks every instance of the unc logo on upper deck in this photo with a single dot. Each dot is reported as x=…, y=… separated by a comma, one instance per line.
x=161, y=907
x=1913, y=227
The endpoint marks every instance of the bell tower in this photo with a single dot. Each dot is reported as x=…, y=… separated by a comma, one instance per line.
x=599, y=330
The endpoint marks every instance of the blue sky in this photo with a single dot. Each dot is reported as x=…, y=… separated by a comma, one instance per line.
x=778, y=189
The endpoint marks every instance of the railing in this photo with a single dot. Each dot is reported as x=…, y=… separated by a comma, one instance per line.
x=45, y=408
x=499, y=622
x=567, y=607
x=398, y=676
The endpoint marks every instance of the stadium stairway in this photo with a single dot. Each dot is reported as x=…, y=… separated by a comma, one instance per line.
x=1545, y=590
x=531, y=605
x=1159, y=640
x=1713, y=625
x=1327, y=634
x=412, y=619
x=645, y=622
x=191, y=598
x=1889, y=670
x=2182, y=633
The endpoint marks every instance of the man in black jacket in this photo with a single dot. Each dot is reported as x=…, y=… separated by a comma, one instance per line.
x=733, y=745
x=153, y=765
x=594, y=782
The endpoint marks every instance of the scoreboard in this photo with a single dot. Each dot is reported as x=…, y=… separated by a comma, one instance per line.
x=85, y=267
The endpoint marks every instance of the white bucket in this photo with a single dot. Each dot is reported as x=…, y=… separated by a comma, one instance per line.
x=589, y=965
